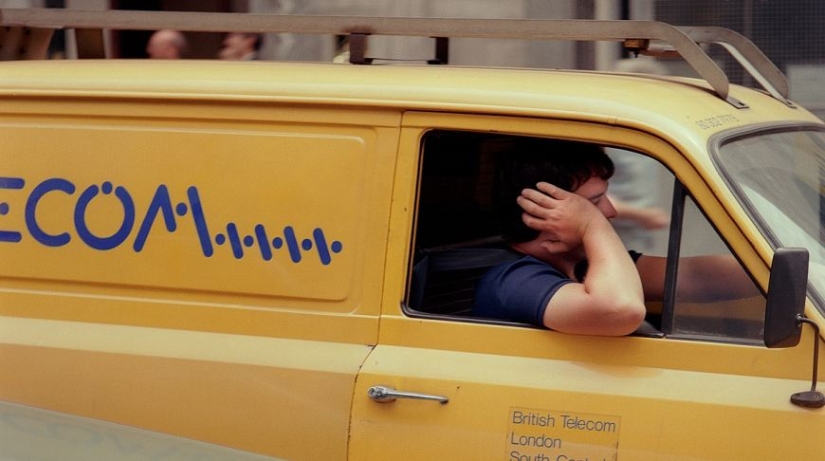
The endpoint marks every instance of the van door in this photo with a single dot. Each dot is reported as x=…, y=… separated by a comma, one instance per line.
x=205, y=269
x=442, y=384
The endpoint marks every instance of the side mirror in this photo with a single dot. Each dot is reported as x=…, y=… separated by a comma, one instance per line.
x=786, y=297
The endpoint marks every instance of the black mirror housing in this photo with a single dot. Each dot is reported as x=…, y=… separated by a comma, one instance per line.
x=786, y=297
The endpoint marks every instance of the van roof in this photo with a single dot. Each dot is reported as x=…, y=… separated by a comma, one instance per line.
x=659, y=104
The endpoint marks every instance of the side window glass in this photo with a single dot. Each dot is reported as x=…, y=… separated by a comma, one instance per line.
x=641, y=190
x=714, y=296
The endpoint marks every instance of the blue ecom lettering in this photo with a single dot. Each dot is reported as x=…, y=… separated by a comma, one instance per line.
x=45, y=187
x=200, y=220
x=14, y=184
x=163, y=208
x=161, y=203
x=104, y=243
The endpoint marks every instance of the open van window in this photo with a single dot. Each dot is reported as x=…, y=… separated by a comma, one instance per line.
x=458, y=231
x=458, y=237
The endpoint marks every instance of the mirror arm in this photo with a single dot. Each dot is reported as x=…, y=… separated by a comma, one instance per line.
x=812, y=398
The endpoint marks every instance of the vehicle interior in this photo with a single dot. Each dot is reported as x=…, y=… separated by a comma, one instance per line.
x=458, y=230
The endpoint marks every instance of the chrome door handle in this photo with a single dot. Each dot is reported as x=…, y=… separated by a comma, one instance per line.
x=384, y=394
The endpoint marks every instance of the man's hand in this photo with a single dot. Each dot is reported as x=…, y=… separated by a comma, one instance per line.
x=563, y=217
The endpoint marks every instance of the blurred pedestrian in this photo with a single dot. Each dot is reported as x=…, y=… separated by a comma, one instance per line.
x=239, y=46
x=166, y=44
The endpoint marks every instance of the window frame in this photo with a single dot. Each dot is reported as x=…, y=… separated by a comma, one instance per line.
x=670, y=158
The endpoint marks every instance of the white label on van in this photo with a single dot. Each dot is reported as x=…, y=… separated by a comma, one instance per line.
x=549, y=435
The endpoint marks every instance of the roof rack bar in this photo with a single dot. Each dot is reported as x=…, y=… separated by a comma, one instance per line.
x=525, y=29
x=749, y=56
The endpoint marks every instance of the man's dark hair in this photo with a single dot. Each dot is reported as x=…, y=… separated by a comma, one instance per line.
x=565, y=164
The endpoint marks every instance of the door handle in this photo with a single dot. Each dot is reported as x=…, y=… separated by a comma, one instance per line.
x=384, y=394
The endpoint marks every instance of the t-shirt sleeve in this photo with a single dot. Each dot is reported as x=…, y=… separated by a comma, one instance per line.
x=518, y=291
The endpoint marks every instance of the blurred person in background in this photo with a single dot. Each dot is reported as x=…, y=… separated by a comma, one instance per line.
x=166, y=44
x=240, y=47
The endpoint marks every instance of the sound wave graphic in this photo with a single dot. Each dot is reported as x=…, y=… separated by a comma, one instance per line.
x=289, y=241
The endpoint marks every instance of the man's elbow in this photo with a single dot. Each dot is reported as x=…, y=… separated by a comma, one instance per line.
x=623, y=318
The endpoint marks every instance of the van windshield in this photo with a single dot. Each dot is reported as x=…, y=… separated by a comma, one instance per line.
x=778, y=178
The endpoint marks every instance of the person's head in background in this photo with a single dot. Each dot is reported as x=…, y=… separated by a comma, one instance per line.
x=166, y=44
x=240, y=46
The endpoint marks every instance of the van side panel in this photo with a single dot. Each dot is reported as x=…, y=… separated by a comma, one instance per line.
x=264, y=395
x=206, y=269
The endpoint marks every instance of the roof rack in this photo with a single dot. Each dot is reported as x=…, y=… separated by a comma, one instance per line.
x=29, y=30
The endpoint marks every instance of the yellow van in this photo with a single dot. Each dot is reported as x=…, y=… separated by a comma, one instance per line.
x=280, y=258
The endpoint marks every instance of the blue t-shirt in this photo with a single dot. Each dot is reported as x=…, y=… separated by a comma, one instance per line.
x=520, y=290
